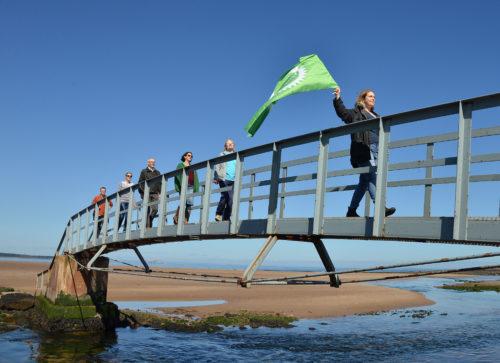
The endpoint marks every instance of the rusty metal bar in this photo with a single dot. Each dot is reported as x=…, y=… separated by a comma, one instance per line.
x=442, y=260
x=427, y=273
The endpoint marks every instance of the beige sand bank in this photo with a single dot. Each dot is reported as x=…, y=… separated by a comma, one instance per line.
x=315, y=301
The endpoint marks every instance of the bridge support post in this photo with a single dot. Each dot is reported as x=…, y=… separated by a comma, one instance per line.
x=257, y=261
x=67, y=280
x=327, y=262
x=146, y=266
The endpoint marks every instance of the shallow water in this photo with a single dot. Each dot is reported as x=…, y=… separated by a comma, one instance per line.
x=461, y=326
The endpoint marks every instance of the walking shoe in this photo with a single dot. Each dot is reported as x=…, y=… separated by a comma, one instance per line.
x=389, y=211
x=218, y=218
x=351, y=213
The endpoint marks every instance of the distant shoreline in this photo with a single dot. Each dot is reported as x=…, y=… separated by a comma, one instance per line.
x=18, y=255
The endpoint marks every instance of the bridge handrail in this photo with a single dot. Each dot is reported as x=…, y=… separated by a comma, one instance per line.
x=383, y=124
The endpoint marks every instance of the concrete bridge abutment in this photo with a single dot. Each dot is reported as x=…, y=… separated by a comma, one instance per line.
x=68, y=280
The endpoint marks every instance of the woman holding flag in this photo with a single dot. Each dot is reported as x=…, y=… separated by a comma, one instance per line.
x=364, y=145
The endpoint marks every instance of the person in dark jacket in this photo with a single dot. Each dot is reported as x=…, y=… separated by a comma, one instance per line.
x=154, y=190
x=364, y=145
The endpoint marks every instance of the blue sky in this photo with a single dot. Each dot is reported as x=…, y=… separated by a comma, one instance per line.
x=92, y=89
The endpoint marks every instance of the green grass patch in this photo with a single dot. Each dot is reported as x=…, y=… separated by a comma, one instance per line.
x=68, y=300
x=53, y=311
x=6, y=289
x=209, y=324
x=472, y=288
x=254, y=320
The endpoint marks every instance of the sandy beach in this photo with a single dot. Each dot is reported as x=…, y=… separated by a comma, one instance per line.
x=313, y=301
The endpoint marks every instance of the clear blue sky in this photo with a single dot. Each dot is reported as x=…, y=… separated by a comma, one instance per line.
x=91, y=89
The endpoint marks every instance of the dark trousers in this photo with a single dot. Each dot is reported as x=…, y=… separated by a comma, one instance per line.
x=123, y=215
x=99, y=226
x=226, y=200
x=152, y=210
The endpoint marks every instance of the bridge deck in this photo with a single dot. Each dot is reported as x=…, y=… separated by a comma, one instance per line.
x=407, y=229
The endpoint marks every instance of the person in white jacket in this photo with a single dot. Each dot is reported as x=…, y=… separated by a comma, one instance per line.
x=224, y=177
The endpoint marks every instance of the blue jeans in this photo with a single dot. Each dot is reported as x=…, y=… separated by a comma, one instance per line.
x=226, y=200
x=123, y=215
x=366, y=181
x=189, y=200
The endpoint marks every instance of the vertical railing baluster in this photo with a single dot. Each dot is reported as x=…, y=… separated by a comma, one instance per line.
x=117, y=216
x=182, y=203
x=96, y=218
x=250, y=202
x=205, y=199
x=368, y=200
x=144, y=214
x=463, y=171
x=66, y=238
x=78, y=232
x=319, y=204
x=86, y=234
x=428, y=187
x=382, y=171
x=273, y=189
x=104, y=230
x=283, y=191
x=131, y=203
x=238, y=180
x=70, y=237
x=163, y=206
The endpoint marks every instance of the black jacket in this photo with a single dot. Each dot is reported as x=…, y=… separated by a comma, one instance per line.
x=147, y=174
x=360, y=141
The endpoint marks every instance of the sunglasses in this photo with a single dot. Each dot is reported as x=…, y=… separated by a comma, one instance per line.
x=189, y=156
x=129, y=175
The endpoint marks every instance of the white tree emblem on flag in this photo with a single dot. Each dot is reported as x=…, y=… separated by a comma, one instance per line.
x=309, y=74
x=293, y=78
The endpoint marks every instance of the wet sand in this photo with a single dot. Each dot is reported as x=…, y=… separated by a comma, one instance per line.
x=312, y=301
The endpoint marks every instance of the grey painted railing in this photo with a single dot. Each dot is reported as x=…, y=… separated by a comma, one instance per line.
x=262, y=167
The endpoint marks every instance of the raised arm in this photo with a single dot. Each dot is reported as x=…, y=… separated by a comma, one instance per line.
x=345, y=114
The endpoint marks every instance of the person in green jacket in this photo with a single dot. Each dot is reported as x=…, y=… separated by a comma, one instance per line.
x=193, y=186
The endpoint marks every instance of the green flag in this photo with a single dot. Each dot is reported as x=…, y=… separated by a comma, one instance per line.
x=309, y=74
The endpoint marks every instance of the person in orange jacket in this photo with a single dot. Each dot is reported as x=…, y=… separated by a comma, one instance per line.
x=102, y=208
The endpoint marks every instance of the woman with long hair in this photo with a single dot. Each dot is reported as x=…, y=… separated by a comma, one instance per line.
x=192, y=187
x=224, y=176
x=364, y=145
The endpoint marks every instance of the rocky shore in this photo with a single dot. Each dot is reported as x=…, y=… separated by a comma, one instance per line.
x=21, y=310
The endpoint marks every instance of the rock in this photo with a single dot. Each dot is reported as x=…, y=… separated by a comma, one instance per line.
x=16, y=301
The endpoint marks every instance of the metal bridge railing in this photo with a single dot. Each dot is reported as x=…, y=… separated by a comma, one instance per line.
x=262, y=167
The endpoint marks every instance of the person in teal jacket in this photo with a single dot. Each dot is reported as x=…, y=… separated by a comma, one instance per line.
x=193, y=186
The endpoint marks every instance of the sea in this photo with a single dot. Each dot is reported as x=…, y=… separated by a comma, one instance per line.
x=460, y=326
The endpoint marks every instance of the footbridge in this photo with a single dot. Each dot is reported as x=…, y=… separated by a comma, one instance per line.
x=298, y=189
